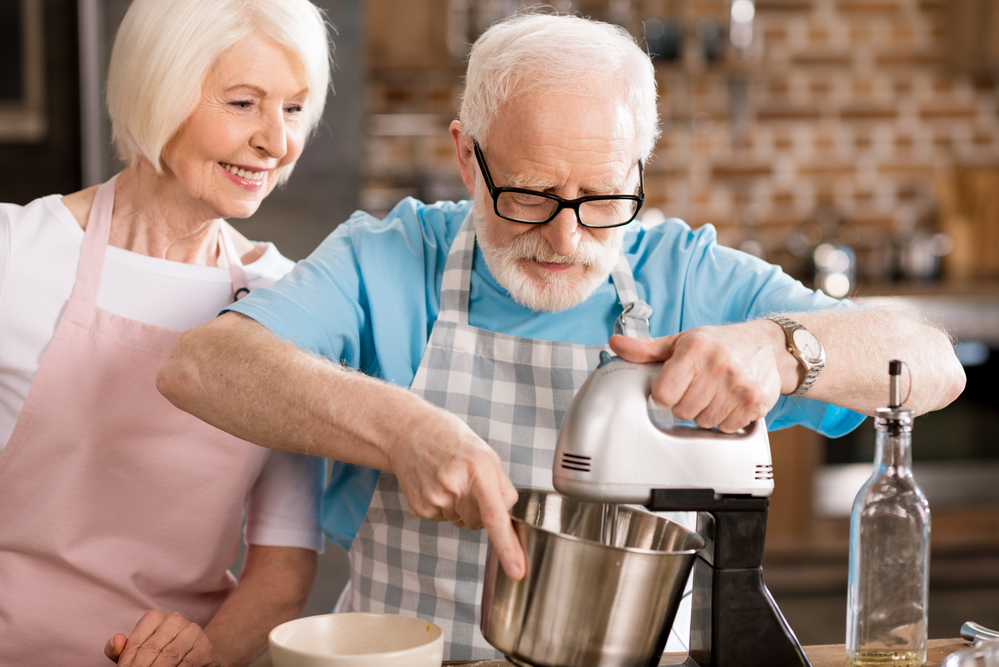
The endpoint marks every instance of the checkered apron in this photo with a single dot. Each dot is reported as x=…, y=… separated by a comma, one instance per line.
x=513, y=392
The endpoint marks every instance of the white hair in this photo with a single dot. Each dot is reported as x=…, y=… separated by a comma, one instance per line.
x=557, y=53
x=165, y=50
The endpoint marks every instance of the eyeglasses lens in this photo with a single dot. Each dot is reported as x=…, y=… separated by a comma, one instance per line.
x=596, y=213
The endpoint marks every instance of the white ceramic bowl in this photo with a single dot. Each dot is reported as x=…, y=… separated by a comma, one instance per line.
x=357, y=640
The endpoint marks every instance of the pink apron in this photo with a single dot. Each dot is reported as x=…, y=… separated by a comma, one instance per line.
x=112, y=501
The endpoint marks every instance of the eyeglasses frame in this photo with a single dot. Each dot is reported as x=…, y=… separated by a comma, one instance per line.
x=574, y=204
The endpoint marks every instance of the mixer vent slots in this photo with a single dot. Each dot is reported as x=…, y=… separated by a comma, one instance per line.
x=576, y=462
x=764, y=471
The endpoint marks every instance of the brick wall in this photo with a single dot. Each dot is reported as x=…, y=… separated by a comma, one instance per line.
x=843, y=121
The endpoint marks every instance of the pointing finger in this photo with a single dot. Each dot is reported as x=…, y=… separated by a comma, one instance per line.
x=508, y=548
x=495, y=515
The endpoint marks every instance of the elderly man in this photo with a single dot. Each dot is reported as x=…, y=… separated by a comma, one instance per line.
x=492, y=312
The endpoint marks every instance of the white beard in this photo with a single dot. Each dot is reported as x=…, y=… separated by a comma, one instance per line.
x=557, y=292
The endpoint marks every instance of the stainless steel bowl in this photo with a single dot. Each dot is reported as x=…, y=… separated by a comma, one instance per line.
x=583, y=603
x=981, y=655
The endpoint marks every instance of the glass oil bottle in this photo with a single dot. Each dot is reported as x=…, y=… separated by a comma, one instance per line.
x=889, y=550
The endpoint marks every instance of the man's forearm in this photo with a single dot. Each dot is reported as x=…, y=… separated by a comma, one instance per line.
x=729, y=376
x=236, y=375
x=273, y=588
x=859, y=342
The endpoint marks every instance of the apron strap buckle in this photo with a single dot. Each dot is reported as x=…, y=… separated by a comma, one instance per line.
x=633, y=313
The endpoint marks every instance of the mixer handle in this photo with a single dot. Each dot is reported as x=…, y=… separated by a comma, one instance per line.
x=679, y=429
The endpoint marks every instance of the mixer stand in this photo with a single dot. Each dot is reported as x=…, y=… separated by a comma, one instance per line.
x=734, y=620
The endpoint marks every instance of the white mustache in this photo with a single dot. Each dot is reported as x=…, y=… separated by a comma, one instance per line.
x=532, y=245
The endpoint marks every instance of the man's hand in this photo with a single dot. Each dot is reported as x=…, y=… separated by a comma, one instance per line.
x=453, y=475
x=161, y=640
x=726, y=376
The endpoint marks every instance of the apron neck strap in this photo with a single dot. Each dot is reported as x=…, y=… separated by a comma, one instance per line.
x=240, y=286
x=457, y=280
x=635, y=313
x=95, y=243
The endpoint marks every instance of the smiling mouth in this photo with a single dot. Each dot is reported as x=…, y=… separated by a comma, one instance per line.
x=243, y=173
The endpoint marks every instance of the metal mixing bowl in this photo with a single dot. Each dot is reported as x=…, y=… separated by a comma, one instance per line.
x=583, y=603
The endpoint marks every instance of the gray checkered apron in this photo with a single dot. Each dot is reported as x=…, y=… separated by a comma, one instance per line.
x=513, y=392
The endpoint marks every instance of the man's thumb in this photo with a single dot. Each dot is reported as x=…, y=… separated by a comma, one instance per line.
x=642, y=350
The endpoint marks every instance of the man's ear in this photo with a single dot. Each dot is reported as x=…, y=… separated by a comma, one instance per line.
x=465, y=153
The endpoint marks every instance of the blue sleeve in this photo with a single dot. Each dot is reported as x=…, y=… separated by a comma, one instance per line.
x=831, y=421
x=319, y=304
x=732, y=286
x=765, y=289
x=366, y=297
x=345, y=502
x=722, y=285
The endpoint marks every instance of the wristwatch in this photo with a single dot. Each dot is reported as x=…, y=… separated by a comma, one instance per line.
x=806, y=348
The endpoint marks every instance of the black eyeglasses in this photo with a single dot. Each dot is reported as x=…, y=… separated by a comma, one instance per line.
x=531, y=207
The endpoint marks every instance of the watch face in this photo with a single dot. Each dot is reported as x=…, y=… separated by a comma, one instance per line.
x=807, y=344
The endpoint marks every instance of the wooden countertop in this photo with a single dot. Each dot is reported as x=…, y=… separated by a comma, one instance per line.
x=834, y=655
x=830, y=655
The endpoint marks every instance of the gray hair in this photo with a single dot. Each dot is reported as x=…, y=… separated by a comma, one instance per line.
x=165, y=49
x=557, y=53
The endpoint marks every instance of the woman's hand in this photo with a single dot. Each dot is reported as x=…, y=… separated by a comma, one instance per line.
x=161, y=640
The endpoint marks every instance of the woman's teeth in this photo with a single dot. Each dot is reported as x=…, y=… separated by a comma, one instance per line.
x=243, y=173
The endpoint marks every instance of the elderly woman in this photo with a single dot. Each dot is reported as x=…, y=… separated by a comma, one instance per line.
x=118, y=511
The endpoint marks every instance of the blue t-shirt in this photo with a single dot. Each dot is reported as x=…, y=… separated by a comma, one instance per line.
x=369, y=295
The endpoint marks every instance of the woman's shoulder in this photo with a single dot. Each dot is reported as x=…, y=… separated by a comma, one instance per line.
x=263, y=262
x=269, y=267
x=249, y=251
x=40, y=219
x=80, y=203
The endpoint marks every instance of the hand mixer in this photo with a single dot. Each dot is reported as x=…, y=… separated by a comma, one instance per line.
x=610, y=451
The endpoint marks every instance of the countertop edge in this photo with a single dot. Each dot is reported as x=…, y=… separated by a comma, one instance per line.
x=826, y=655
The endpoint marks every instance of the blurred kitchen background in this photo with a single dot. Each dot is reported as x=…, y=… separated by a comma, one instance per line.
x=854, y=142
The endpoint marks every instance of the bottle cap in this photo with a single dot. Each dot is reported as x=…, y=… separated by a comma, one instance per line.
x=894, y=418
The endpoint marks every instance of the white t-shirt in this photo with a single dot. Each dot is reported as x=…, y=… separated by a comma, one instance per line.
x=39, y=252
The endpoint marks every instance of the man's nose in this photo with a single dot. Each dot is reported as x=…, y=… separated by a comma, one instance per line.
x=562, y=232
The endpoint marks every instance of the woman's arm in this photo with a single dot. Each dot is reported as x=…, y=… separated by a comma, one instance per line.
x=273, y=587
